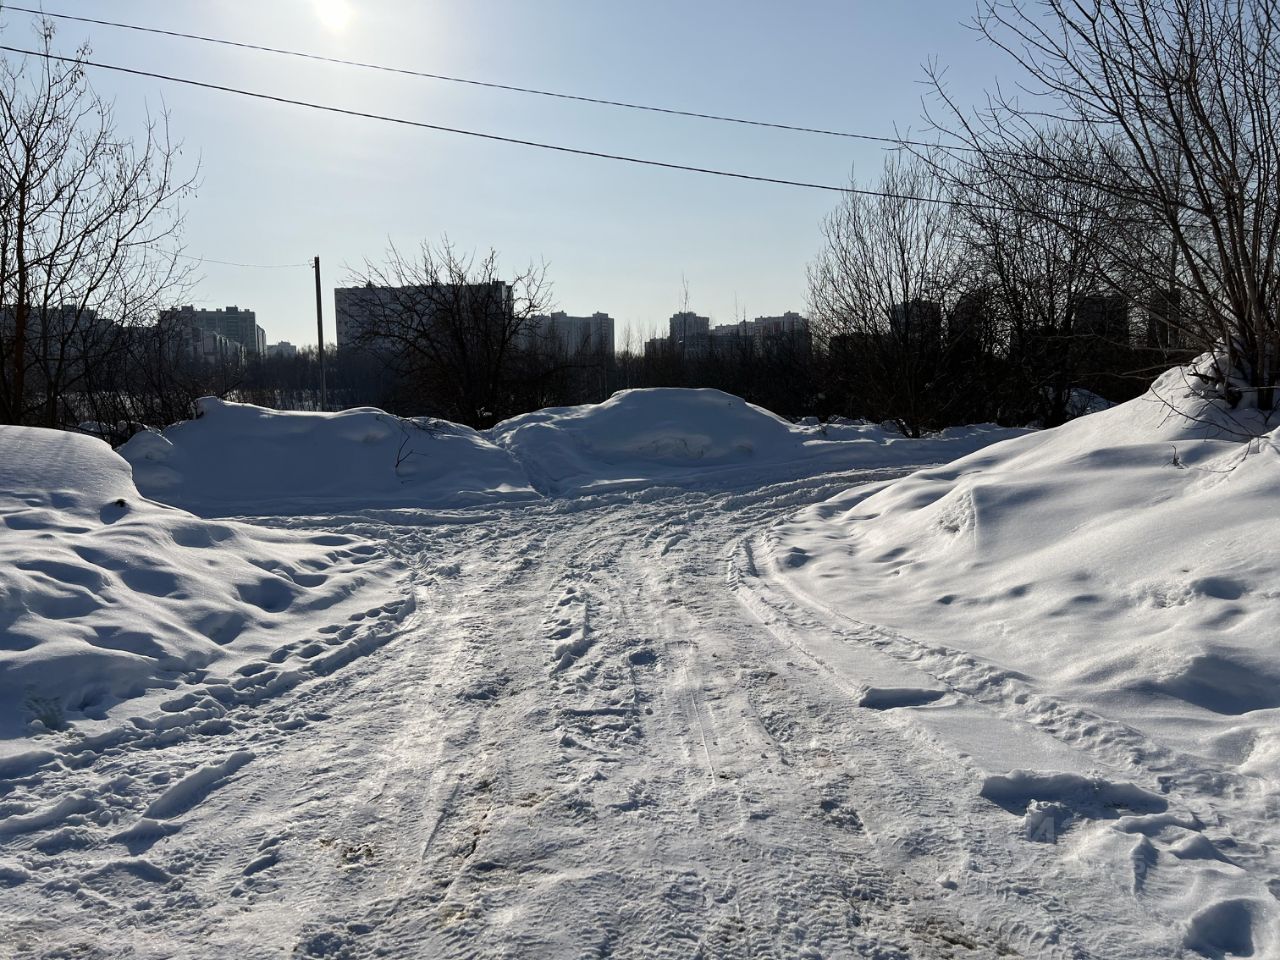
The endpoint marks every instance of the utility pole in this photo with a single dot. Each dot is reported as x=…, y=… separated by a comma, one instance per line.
x=324, y=388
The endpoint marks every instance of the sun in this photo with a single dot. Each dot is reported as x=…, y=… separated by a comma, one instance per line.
x=335, y=15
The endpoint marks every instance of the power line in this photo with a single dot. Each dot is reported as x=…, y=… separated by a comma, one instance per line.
x=576, y=151
x=247, y=266
x=329, y=108
x=511, y=88
x=895, y=142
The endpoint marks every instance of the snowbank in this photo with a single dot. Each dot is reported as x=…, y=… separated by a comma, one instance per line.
x=665, y=436
x=237, y=460
x=1123, y=559
x=644, y=435
x=240, y=460
x=105, y=596
x=1110, y=583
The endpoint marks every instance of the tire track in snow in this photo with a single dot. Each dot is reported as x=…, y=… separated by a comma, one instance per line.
x=1195, y=785
x=742, y=648
x=1191, y=787
x=734, y=801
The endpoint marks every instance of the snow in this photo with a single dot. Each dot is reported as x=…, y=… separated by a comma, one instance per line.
x=646, y=434
x=1086, y=558
x=236, y=459
x=106, y=596
x=110, y=597
x=240, y=460
x=656, y=437
x=662, y=676
x=1111, y=583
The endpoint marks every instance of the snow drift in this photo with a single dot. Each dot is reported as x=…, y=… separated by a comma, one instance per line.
x=645, y=435
x=1109, y=585
x=666, y=435
x=105, y=596
x=1124, y=559
x=240, y=460
x=236, y=460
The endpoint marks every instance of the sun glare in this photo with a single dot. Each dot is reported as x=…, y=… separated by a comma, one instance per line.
x=335, y=15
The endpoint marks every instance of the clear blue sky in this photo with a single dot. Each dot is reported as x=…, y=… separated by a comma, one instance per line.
x=281, y=184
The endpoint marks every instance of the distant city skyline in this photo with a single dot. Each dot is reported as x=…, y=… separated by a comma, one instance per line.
x=282, y=184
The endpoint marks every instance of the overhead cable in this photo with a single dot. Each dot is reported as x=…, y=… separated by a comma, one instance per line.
x=511, y=88
x=576, y=151
x=233, y=263
x=402, y=121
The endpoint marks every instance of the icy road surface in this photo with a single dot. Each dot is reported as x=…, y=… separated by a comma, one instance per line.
x=604, y=731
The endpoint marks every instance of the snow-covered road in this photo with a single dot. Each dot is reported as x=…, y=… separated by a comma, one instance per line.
x=596, y=728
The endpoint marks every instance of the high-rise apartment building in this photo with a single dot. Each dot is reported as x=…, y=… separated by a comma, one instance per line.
x=371, y=315
x=232, y=323
x=687, y=326
x=572, y=336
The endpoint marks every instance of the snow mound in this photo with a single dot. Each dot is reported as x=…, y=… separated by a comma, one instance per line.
x=669, y=436
x=1019, y=787
x=1112, y=583
x=236, y=459
x=240, y=460
x=105, y=596
x=647, y=434
x=1238, y=927
x=46, y=470
x=1124, y=559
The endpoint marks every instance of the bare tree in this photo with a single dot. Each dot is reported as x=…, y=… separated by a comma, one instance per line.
x=154, y=377
x=1045, y=251
x=84, y=216
x=452, y=328
x=1177, y=102
x=879, y=289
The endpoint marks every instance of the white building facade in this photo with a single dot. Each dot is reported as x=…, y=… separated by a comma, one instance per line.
x=232, y=323
x=571, y=336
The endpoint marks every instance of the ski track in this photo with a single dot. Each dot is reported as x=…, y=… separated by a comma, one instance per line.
x=590, y=728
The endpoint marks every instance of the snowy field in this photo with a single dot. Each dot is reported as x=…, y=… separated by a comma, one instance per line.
x=663, y=677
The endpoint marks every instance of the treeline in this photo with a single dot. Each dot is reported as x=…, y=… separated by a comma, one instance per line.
x=957, y=368
x=113, y=379
x=925, y=365
x=918, y=317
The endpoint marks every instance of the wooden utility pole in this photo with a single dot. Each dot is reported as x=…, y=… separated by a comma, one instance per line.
x=324, y=388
